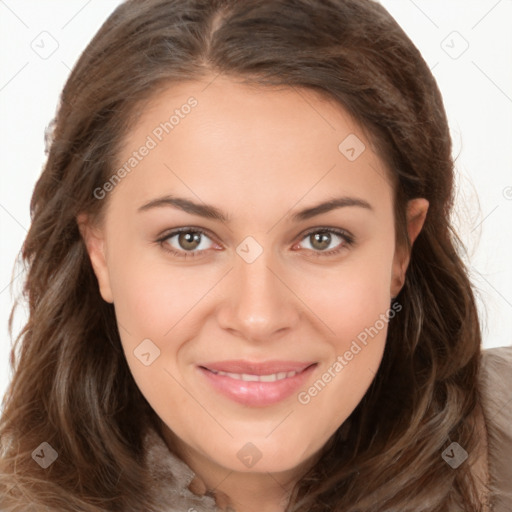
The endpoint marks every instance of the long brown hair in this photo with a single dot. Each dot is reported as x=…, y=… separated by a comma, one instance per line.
x=72, y=387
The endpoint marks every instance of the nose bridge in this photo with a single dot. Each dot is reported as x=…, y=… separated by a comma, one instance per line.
x=259, y=304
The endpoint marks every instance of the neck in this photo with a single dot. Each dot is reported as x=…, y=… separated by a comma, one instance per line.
x=238, y=491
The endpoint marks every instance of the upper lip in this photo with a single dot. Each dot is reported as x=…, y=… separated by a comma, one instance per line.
x=253, y=368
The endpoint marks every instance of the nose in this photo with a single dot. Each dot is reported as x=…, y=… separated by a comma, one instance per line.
x=260, y=305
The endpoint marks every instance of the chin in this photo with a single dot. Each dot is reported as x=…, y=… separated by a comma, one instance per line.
x=251, y=459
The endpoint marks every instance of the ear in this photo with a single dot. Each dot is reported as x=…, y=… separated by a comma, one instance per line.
x=96, y=248
x=416, y=215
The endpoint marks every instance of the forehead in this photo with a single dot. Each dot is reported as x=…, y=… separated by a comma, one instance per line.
x=210, y=136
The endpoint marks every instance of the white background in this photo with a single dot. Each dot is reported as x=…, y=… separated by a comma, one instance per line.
x=476, y=86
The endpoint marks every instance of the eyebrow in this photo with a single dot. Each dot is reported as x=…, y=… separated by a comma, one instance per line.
x=212, y=212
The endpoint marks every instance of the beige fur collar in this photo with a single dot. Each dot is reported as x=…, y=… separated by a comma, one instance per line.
x=171, y=479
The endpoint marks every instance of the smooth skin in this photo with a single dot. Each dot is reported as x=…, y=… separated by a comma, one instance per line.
x=259, y=155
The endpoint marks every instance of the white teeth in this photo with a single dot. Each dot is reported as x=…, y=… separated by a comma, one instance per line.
x=248, y=378
x=268, y=378
x=255, y=378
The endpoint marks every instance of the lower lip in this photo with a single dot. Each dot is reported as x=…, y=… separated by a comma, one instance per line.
x=257, y=394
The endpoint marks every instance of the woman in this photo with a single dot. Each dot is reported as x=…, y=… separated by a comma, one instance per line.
x=244, y=289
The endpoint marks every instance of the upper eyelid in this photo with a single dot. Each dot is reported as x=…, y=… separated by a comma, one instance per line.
x=189, y=229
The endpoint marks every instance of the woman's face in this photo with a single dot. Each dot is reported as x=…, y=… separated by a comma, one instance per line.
x=281, y=284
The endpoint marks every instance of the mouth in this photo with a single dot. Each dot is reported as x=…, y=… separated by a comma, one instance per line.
x=257, y=384
x=248, y=377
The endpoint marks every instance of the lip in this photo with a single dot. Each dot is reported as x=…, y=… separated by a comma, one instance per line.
x=255, y=393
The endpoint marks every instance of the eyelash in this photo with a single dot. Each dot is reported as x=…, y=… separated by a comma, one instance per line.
x=348, y=241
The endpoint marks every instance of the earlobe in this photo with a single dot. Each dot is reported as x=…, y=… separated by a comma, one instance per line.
x=416, y=214
x=95, y=245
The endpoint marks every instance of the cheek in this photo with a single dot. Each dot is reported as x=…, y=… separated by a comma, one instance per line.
x=354, y=296
x=151, y=306
x=151, y=299
x=355, y=305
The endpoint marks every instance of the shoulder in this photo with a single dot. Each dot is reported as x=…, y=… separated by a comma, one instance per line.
x=498, y=356
x=495, y=385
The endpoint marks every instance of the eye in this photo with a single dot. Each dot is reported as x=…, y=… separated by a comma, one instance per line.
x=188, y=242
x=191, y=242
x=320, y=239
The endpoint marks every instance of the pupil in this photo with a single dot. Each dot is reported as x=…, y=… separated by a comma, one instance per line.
x=327, y=240
x=189, y=238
